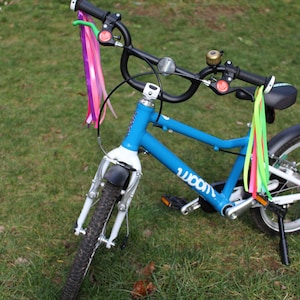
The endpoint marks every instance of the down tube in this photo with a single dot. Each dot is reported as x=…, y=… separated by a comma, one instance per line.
x=185, y=173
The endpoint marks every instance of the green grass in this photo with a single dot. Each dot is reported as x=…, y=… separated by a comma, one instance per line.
x=48, y=157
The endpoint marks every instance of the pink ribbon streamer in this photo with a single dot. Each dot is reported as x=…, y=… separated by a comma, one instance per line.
x=253, y=170
x=93, y=73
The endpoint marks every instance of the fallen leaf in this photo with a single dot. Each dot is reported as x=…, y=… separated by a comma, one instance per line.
x=149, y=269
x=142, y=288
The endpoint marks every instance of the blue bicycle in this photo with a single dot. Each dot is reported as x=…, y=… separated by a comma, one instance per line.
x=120, y=171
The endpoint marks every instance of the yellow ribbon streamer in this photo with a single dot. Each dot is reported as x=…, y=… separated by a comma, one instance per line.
x=257, y=151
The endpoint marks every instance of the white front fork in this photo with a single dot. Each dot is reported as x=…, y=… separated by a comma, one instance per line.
x=91, y=196
x=119, y=154
x=122, y=213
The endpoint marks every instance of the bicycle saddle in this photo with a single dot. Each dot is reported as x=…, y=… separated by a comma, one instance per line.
x=282, y=95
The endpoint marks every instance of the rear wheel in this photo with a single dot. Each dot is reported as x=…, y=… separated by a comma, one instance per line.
x=287, y=159
x=91, y=240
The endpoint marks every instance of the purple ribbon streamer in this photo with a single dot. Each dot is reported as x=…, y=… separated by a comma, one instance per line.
x=86, y=66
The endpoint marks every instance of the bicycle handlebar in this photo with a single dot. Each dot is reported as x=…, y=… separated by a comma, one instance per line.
x=89, y=9
x=112, y=21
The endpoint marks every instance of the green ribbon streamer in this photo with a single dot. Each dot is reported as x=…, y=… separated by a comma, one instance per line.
x=259, y=133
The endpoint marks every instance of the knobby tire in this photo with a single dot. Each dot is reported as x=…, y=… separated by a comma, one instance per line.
x=88, y=246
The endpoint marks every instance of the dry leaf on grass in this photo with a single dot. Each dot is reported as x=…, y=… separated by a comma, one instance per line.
x=142, y=288
x=149, y=269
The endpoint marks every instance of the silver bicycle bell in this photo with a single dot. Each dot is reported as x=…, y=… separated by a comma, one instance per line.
x=166, y=66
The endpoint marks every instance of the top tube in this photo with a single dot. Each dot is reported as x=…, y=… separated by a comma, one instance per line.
x=144, y=115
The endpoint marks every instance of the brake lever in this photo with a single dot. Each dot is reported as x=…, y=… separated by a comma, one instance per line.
x=89, y=24
x=222, y=87
x=104, y=36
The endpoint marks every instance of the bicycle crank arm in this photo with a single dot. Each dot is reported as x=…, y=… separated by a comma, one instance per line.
x=191, y=206
x=238, y=209
x=235, y=211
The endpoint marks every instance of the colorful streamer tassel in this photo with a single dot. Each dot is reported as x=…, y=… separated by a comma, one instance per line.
x=257, y=151
x=93, y=73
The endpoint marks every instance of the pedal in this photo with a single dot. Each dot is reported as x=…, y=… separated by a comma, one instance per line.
x=174, y=202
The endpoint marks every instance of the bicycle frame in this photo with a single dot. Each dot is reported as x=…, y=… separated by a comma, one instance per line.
x=137, y=136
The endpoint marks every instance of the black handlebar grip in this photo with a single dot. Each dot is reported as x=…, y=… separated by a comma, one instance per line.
x=88, y=8
x=258, y=80
x=251, y=78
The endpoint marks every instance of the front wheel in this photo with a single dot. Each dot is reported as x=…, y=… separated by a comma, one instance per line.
x=286, y=157
x=91, y=240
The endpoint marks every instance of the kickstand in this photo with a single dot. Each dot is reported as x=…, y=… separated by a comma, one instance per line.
x=280, y=212
x=283, y=246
